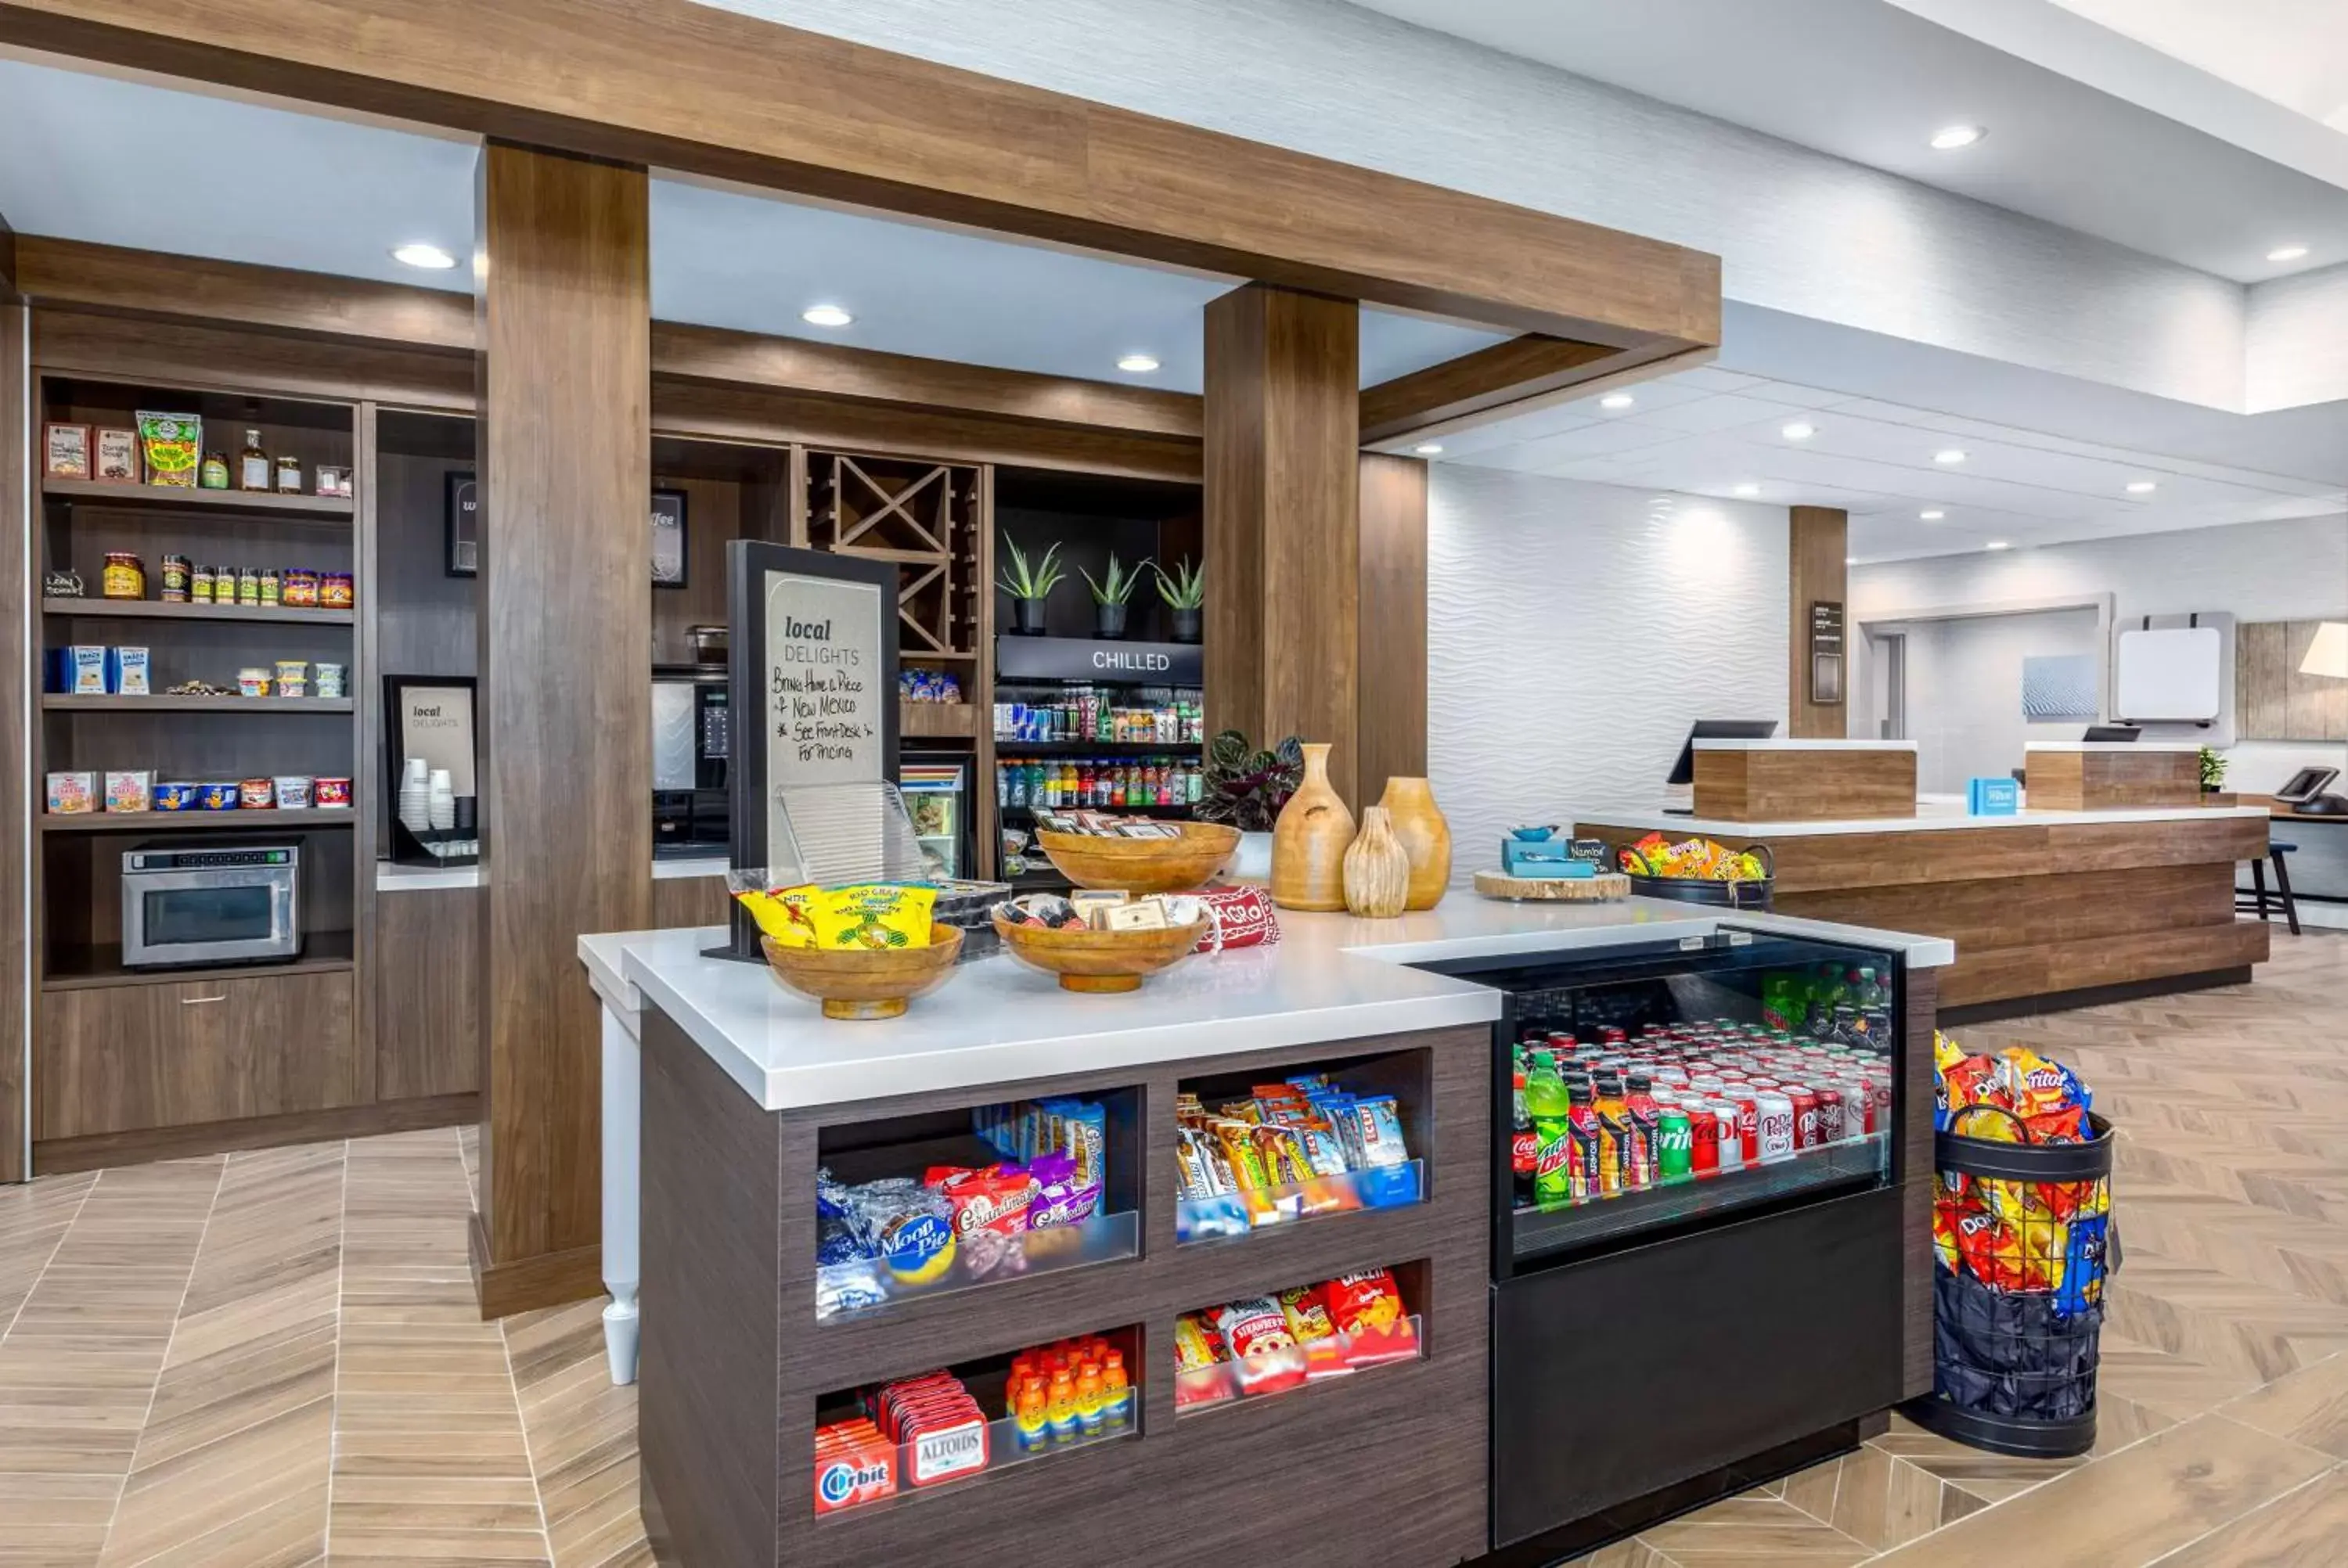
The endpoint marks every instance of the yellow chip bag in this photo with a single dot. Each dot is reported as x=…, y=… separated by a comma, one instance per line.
x=782, y=914
x=874, y=918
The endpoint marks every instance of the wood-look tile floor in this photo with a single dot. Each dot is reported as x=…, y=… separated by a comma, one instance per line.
x=273, y=1359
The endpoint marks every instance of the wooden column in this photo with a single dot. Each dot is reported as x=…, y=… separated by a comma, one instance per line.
x=16, y=737
x=1393, y=633
x=564, y=372
x=1282, y=525
x=1817, y=544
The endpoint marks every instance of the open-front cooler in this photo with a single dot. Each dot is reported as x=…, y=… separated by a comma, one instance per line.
x=1698, y=1233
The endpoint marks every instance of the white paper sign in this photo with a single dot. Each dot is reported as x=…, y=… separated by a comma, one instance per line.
x=823, y=667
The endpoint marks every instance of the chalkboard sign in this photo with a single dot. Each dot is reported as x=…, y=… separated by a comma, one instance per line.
x=812, y=675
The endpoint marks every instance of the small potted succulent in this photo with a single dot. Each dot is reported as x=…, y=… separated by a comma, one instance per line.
x=1111, y=591
x=1246, y=788
x=2213, y=771
x=1184, y=593
x=1028, y=586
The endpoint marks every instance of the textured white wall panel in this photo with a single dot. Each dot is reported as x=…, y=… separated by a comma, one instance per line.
x=1798, y=231
x=2297, y=347
x=2257, y=571
x=1575, y=631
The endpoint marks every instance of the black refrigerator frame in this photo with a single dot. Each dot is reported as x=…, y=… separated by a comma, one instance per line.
x=1714, y=1351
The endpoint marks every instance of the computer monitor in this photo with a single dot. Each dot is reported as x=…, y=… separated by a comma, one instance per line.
x=1684, y=770
x=2112, y=733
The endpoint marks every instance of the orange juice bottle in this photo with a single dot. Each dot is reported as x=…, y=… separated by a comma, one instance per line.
x=1116, y=1393
x=1089, y=1394
x=1060, y=1408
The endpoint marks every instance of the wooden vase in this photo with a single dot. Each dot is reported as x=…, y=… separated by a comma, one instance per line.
x=1309, y=841
x=1426, y=838
x=1377, y=869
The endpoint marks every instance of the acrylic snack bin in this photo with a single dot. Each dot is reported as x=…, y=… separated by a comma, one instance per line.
x=1228, y=1214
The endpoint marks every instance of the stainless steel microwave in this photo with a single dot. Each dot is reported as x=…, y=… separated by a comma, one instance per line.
x=234, y=903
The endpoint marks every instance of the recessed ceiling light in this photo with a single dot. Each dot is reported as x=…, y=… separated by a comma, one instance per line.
x=1617, y=400
x=1429, y=449
x=419, y=254
x=1138, y=364
x=1850, y=560
x=1798, y=431
x=2142, y=486
x=1948, y=139
x=1748, y=488
x=825, y=316
x=2286, y=252
x=1948, y=456
x=1998, y=545
x=1934, y=516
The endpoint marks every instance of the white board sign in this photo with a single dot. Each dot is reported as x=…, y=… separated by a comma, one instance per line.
x=823, y=673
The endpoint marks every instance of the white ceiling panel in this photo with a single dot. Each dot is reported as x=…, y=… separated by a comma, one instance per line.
x=1725, y=410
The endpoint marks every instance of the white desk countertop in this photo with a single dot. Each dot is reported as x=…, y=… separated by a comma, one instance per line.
x=1940, y=814
x=1329, y=977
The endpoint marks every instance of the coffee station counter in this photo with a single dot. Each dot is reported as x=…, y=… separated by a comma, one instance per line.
x=748, y=1347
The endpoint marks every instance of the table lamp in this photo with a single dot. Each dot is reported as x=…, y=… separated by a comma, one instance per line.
x=2328, y=655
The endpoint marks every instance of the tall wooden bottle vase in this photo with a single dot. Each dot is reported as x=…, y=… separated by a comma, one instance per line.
x=1309, y=841
x=1425, y=837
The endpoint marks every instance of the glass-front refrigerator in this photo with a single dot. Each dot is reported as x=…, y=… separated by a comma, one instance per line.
x=1699, y=1184
x=936, y=789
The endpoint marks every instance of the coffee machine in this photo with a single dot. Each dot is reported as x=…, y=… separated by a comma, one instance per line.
x=691, y=736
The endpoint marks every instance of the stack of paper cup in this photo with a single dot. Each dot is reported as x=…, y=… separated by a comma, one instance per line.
x=415, y=796
x=440, y=801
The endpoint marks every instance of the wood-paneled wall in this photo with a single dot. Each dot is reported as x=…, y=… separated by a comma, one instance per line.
x=1393, y=630
x=16, y=738
x=1284, y=520
x=2273, y=700
x=1818, y=543
x=566, y=725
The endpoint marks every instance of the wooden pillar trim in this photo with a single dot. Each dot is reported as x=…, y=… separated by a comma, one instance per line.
x=564, y=377
x=1818, y=544
x=15, y=735
x=1392, y=630
x=1282, y=523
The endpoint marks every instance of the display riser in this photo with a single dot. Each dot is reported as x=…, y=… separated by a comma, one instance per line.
x=735, y=1361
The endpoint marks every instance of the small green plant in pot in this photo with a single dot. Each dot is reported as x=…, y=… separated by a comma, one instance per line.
x=1028, y=586
x=1245, y=788
x=2213, y=771
x=1184, y=593
x=1111, y=591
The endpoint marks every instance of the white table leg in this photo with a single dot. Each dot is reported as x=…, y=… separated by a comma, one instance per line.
x=622, y=1132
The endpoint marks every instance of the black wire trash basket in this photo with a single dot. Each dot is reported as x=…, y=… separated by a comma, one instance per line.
x=2024, y=1242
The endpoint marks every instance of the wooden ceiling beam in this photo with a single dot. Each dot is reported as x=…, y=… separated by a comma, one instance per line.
x=677, y=84
x=1512, y=377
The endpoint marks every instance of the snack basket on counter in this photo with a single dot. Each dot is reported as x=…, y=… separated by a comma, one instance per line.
x=1698, y=871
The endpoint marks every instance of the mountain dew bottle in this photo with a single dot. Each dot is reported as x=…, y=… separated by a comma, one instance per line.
x=1546, y=1107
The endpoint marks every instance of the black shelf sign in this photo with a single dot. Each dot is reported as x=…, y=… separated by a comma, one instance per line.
x=1102, y=663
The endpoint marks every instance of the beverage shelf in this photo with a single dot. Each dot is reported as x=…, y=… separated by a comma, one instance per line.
x=1006, y=1449
x=1270, y=1373
x=1229, y=1216
x=1027, y=813
x=1008, y=746
x=170, y=704
x=862, y=1286
x=188, y=499
x=111, y=609
x=1809, y=1174
x=257, y=820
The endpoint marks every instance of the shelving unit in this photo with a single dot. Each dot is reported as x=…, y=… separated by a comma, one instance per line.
x=278, y=1038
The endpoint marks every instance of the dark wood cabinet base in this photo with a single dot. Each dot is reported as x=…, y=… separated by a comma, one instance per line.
x=57, y=1155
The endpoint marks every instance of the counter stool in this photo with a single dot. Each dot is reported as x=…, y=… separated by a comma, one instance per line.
x=2257, y=901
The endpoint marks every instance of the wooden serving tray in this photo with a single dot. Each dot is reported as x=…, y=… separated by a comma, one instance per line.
x=1602, y=889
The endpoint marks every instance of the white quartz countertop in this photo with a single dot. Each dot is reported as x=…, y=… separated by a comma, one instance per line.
x=394, y=878
x=1941, y=815
x=1329, y=977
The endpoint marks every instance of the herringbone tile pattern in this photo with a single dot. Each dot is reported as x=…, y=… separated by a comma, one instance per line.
x=273, y=1359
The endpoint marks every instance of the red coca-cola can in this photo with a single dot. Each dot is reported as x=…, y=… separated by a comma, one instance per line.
x=1703, y=1130
x=1748, y=1123
x=1831, y=1129
x=1524, y=1151
x=1806, y=1115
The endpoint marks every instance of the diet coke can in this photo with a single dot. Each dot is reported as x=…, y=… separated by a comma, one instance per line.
x=1830, y=1114
x=1857, y=1108
x=1776, y=1126
x=1729, y=1149
x=1806, y=1115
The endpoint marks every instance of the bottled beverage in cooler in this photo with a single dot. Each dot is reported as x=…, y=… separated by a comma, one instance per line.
x=1643, y=1119
x=1116, y=1392
x=1090, y=1400
x=1548, y=1109
x=1613, y=1135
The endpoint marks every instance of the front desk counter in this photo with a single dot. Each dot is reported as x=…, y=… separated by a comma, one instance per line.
x=747, y=1345
x=2047, y=908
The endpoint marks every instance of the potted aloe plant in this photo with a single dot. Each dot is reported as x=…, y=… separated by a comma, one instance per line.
x=1184, y=593
x=1111, y=591
x=1028, y=587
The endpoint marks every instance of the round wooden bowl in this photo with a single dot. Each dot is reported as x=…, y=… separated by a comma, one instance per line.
x=855, y=984
x=1143, y=866
x=1089, y=960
